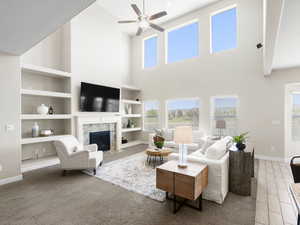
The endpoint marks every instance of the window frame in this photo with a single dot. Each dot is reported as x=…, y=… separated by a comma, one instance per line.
x=159, y=113
x=166, y=35
x=212, y=109
x=181, y=99
x=291, y=114
x=143, y=52
x=211, y=33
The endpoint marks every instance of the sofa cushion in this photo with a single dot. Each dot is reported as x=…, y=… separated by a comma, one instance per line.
x=217, y=150
x=209, y=142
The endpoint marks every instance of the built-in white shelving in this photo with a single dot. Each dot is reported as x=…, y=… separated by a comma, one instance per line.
x=126, y=101
x=125, y=130
x=46, y=117
x=55, y=86
x=34, y=164
x=35, y=140
x=44, y=71
x=45, y=93
x=132, y=115
x=131, y=144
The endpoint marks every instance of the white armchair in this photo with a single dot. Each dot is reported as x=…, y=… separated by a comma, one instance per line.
x=74, y=156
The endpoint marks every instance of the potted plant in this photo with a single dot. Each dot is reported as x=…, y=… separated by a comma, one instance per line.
x=240, y=141
x=158, y=139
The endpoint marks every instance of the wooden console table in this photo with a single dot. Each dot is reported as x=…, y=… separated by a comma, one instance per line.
x=241, y=169
x=187, y=183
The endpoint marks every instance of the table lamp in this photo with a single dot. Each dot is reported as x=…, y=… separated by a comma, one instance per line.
x=221, y=125
x=183, y=136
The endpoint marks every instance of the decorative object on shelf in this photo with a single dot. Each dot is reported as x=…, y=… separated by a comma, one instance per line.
x=124, y=140
x=137, y=100
x=128, y=123
x=35, y=130
x=183, y=136
x=221, y=126
x=240, y=141
x=47, y=132
x=51, y=110
x=128, y=109
x=43, y=109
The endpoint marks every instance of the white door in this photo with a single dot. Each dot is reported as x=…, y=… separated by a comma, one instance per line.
x=292, y=121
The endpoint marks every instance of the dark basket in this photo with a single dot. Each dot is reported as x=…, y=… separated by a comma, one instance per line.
x=295, y=169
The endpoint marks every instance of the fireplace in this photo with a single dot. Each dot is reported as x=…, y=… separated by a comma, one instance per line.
x=102, y=139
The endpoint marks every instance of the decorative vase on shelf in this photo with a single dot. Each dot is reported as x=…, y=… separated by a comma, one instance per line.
x=51, y=111
x=35, y=130
x=43, y=109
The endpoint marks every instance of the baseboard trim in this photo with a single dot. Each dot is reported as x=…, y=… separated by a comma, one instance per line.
x=11, y=180
x=262, y=157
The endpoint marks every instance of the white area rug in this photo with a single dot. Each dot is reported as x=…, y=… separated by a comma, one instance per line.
x=133, y=174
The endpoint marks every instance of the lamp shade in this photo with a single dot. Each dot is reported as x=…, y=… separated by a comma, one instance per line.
x=183, y=135
x=221, y=124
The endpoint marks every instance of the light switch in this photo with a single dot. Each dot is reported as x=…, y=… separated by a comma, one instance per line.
x=9, y=127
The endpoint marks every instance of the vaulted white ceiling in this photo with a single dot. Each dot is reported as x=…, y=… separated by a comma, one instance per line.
x=121, y=9
x=24, y=23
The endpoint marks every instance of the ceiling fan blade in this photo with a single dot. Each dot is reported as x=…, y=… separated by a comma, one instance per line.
x=156, y=27
x=158, y=15
x=139, y=31
x=127, y=21
x=136, y=9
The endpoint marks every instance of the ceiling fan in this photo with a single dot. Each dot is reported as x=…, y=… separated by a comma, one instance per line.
x=143, y=20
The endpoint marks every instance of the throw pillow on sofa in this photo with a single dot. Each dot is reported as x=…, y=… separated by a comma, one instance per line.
x=217, y=150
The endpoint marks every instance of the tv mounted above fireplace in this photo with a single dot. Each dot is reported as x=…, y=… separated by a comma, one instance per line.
x=97, y=98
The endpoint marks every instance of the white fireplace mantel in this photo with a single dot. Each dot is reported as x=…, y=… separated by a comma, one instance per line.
x=99, y=119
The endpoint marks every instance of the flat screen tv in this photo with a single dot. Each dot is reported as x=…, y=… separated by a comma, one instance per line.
x=96, y=98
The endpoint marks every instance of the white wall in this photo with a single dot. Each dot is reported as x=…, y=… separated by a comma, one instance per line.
x=99, y=51
x=236, y=72
x=287, y=51
x=10, y=148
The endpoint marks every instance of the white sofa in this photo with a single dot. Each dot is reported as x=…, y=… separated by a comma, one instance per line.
x=199, y=138
x=74, y=156
x=216, y=157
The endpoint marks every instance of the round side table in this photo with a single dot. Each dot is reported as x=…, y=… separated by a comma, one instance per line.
x=156, y=157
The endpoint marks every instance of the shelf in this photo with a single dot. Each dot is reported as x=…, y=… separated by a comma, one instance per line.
x=130, y=88
x=46, y=117
x=45, y=93
x=26, y=141
x=125, y=101
x=131, y=115
x=125, y=130
x=131, y=144
x=44, y=71
x=34, y=164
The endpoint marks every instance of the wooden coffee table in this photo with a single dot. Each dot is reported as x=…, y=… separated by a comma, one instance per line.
x=187, y=183
x=156, y=157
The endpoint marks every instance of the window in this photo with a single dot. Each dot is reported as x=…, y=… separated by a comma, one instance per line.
x=225, y=109
x=151, y=115
x=224, y=30
x=183, y=43
x=296, y=117
x=183, y=112
x=150, y=52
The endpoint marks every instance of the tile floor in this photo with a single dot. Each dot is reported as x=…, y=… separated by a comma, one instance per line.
x=273, y=203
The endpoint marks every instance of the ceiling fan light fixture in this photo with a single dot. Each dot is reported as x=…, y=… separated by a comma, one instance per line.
x=144, y=23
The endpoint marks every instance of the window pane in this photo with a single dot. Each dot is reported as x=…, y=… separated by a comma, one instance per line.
x=296, y=117
x=183, y=43
x=225, y=109
x=183, y=113
x=151, y=115
x=150, y=52
x=224, y=30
